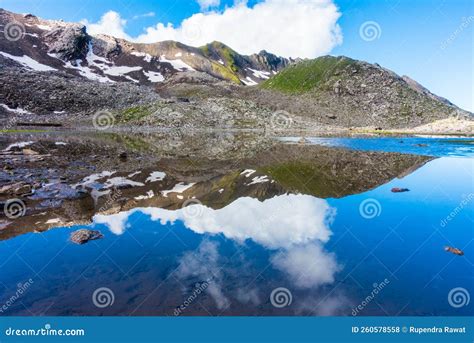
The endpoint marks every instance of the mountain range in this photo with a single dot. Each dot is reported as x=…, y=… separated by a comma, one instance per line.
x=56, y=71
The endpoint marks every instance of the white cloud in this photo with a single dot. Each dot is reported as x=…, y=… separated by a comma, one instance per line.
x=290, y=28
x=116, y=223
x=205, y=4
x=204, y=264
x=110, y=24
x=279, y=222
x=294, y=226
x=307, y=266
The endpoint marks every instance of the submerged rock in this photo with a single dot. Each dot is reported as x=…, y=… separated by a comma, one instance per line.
x=399, y=190
x=83, y=236
x=303, y=141
x=455, y=251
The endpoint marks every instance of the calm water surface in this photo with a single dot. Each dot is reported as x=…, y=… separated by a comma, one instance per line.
x=378, y=250
x=438, y=146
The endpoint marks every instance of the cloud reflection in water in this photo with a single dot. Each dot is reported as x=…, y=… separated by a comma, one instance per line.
x=293, y=227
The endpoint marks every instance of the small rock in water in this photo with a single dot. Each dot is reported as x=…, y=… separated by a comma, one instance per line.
x=303, y=141
x=455, y=251
x=400, y=190
x=83, y=236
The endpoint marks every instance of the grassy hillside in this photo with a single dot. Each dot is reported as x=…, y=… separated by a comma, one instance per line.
x=229, y=69
x=345, y=92
x=307, y=75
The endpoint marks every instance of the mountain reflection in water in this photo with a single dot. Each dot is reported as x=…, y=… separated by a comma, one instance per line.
x=255, y=227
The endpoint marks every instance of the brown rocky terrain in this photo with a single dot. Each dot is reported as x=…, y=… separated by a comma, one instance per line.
x=63, y=76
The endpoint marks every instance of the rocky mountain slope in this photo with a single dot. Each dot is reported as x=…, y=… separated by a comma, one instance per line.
x=53, y=71
x=342, y=90
x=46, y=45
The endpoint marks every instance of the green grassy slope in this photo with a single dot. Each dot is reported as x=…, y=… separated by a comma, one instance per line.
x=307, y=75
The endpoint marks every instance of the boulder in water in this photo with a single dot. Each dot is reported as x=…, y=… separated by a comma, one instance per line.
x=83, y=236
x=399, y=190
x=455, y=251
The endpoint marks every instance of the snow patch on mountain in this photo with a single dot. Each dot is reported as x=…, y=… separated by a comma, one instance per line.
x=28, y=62
x=120, y=70
x=261, y=74
x=177, y=64
x=248, y=81
x=146, y=57
x=154, y=76
x=86, y=72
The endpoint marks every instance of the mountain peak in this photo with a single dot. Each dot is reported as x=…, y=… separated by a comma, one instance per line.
x=69, y=48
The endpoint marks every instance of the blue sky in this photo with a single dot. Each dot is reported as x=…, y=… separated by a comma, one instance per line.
x=429, y=40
